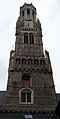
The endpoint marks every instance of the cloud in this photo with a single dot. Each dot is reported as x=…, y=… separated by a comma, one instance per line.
x=3, y=74
x=48, y=11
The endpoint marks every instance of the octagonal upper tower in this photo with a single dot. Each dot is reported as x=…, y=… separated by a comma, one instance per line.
x=28, y=14
x=27, y=28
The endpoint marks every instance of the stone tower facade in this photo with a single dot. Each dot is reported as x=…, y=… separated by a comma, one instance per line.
x=30, y=84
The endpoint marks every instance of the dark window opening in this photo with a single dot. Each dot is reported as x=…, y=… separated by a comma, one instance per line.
x=28, y=11
x=42, y=62
x=22, y=13
x=26, y=97
x=36, y=61
x=33, y=13
x=18, y=61
x=23, y=97
x=26, y=76
x=29, y=61
x=31, y=38
x=26, y=38
x=23, y=61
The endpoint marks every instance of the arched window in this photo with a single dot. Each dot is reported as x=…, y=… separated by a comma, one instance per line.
x=26, y=95
x=26, y=38
x=31, y=38
x=36, y=61
x=29, y=61
x=42, y=62
x=23, y=61
x=28, y=11
x=18, y=61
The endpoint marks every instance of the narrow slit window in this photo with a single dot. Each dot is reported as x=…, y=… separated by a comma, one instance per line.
x=26, y=38
x=23, y=13
x=31, y=38
x=23, y=97
x=33, y=13
x=28, y=11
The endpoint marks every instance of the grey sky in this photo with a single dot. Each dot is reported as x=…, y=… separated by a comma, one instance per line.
x=48, y=12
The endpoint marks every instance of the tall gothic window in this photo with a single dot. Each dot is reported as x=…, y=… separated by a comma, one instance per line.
x=26, y=38
x=28, y=11
x=31, y=38
x=23, y=13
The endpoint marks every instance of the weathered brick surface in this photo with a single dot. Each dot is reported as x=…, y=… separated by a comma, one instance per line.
x=30, y=59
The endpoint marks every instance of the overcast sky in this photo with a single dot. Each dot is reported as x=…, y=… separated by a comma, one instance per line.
x=48, y=12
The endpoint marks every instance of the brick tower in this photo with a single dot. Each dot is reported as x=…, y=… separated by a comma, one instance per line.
x=30, y=84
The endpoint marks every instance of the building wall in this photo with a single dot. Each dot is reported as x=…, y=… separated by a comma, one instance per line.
x=29, y=60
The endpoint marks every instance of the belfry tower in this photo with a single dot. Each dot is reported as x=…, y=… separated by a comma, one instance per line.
x=30, y=84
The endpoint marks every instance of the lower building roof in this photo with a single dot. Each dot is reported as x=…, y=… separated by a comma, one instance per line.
x=22, y=116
